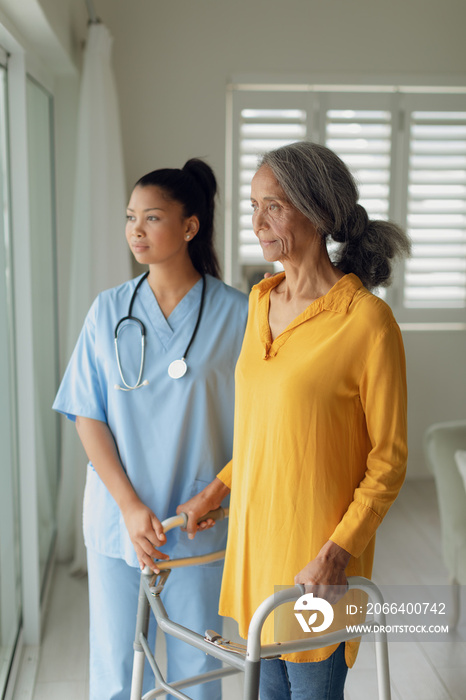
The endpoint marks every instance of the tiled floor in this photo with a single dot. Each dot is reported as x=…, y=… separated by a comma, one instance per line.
x=408, y=550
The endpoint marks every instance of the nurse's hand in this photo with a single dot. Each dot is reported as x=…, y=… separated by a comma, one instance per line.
x=208, y=499
x=325, y=575
x=146, y=533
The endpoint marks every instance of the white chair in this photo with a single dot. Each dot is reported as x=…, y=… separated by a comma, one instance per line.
x=441, y=441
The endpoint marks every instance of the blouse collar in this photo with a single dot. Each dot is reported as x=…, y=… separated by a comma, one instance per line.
x=338, y=298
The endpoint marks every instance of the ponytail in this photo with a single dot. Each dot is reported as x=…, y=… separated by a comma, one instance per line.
x=368, y=247
x=201, y=249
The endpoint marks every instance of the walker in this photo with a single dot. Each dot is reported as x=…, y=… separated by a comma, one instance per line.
x=237, y=657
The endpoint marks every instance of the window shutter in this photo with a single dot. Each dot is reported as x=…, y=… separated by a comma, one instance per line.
x=362, y=139
x=406, y=148
x=261, y=130
x=435, y=276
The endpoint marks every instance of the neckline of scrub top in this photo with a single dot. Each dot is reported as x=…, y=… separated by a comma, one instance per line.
x=166, y=328
x=337, y=299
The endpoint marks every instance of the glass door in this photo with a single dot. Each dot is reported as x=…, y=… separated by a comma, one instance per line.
x=10, y=576
x=44, y=310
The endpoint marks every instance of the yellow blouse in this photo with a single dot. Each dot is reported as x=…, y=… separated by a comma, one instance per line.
x=320, y=444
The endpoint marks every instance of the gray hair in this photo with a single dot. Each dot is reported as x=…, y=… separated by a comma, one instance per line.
x=317, y=182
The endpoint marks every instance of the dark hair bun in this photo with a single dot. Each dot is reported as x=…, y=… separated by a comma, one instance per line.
x=368, y=250
x=204, y=175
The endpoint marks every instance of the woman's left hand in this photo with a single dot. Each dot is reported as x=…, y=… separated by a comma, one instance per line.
x=325, y=575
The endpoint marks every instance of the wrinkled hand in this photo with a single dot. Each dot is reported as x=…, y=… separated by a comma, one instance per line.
x=325, y=575
x=208, y=499
x=146, y=534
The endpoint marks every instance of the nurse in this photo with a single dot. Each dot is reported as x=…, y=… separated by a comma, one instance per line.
x=152, y=397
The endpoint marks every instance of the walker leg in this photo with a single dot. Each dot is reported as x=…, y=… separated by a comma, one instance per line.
x=142, y=627
x=251, y=680
x=138, y=675
x=456, y=604
x=383, y=674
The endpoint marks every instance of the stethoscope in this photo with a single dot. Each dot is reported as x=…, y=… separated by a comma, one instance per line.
x=177, y=368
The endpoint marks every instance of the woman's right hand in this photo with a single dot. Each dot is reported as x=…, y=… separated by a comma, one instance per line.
x=208, y=499
x=144, y=528
x=146, y=533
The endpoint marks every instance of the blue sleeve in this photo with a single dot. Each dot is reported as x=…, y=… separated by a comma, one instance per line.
x=80, y=392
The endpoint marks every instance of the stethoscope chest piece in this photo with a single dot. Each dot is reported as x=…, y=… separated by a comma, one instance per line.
x=177, y=369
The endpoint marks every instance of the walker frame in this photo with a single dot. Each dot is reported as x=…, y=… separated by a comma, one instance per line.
x=238, y=657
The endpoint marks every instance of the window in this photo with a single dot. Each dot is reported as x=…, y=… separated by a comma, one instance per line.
x=28, y=353
x=436, y=210
x=407, y=151
x=261, y=130
x=10, y=569
x=40, y=133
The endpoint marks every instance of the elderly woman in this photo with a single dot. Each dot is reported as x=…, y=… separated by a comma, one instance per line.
x=320, y=411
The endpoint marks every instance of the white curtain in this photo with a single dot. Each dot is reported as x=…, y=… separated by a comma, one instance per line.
x=100, y=258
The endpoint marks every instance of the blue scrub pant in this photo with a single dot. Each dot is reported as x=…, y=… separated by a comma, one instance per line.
x=317, y=680
x=190, y=597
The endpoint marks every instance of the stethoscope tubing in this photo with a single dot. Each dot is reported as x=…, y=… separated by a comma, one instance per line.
x=131, y=318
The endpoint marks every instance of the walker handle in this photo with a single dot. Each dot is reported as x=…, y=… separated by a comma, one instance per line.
x=181, y=520
x=217, y=514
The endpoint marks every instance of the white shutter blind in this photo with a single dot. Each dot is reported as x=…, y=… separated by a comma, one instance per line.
x=362, y=139
x=261, y=130
x=407, y=152
x=435, y=276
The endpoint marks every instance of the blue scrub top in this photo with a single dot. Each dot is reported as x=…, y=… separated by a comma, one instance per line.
x=173, y=435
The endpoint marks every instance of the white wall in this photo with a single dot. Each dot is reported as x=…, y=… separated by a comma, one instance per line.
x=174, y=59
x=51, y=37
x=436, y=369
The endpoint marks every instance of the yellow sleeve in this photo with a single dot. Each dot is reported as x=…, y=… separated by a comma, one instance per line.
x=225, y=474
x=383, y=397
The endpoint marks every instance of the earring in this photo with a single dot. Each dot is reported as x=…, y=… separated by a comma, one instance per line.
x=188, y=237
